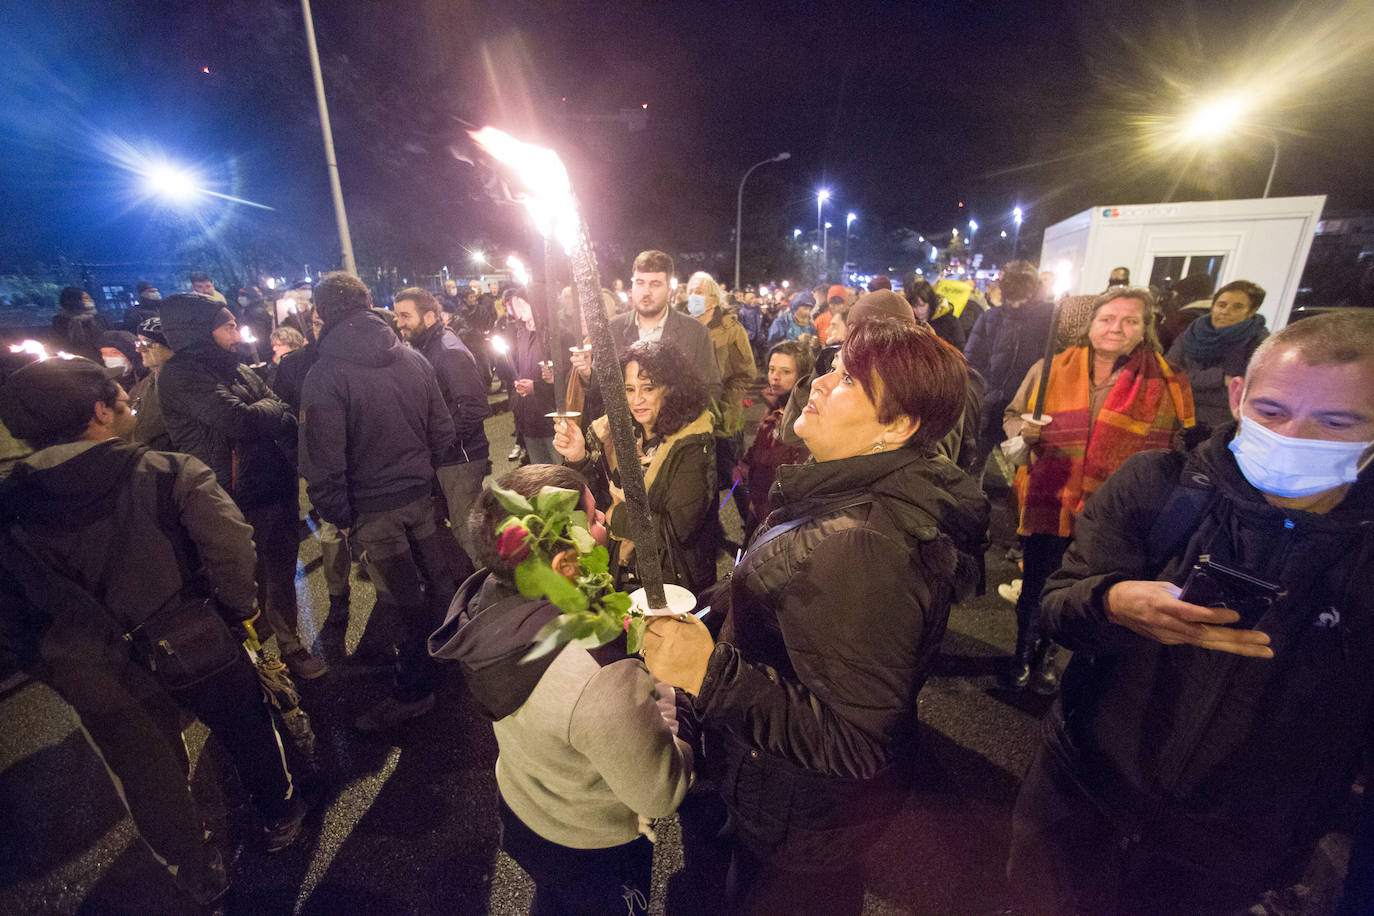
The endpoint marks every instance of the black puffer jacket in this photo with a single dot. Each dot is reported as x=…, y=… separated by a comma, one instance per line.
x=1230, y=764
x=225, y=415
x=374, y=425
x=837, y=609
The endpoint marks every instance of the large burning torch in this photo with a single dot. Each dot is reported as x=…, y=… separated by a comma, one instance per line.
x=546, y=192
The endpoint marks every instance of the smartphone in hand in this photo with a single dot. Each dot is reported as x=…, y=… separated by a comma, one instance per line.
x=1212, y=584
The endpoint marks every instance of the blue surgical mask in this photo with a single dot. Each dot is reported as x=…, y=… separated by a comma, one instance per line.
x=1291, y=467
x=696, y=305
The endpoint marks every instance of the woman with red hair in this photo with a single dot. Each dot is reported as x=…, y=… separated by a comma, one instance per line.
x=835, y=614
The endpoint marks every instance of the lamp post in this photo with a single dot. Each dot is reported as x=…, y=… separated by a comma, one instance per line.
x=340, y=217
x=825, y=248
x=739, y=205
x=1016, y=239
x=848, y=221
x=972, y=231
x=821, y=197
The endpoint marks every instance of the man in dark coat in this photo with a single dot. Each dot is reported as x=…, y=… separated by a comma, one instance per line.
x=90, y=513
x=652, y=319
x=374, y=427
x=225, y=415
x=460, y=382
x=1200, y=748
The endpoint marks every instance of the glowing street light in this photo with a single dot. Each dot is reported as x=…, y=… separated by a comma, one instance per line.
x=796, y=233
x=972, y=227
x=178, y=185
x=1016, y=216
x=1225, y=113
x=479, y=257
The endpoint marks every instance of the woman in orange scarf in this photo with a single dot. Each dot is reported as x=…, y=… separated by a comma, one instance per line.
x=1109, y=397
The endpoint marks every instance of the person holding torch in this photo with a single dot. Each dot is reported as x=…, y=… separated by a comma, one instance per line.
x=836, y=611
x=1102, y=401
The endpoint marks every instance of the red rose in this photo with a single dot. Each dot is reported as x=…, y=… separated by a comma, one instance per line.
x=511, y=545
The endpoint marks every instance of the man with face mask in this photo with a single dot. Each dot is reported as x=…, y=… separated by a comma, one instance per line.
x=1201, y=747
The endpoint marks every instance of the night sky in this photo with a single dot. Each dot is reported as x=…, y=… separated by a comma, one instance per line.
x=902, y=110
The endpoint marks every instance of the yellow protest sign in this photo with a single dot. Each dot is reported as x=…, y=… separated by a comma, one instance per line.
x=956, y=292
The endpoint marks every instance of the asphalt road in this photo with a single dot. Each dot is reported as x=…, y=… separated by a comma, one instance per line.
x=406, y=822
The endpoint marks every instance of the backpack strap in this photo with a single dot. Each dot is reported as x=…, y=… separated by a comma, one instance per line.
x=1187, y=504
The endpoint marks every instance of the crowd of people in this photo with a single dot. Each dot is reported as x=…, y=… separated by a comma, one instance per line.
x=1190, y=492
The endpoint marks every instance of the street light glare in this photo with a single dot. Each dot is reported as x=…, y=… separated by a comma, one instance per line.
x=172, y=183
x=822, y=195
x=479, y=257
x=850, y=218
x=1216, y=116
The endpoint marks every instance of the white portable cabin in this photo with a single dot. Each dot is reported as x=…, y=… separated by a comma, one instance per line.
x=1263, y=240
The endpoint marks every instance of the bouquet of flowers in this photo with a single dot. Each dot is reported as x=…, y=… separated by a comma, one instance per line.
x=536, y=531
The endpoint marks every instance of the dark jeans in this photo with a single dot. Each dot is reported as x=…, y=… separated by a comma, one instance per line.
x=1042, y=555
x=134, y=725
x=573, y=882
x=275, y=530
x=406, y=561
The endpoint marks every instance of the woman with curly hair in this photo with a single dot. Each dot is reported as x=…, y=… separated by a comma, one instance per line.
x=668, y=402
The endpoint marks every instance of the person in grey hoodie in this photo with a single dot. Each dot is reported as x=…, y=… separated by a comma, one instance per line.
x=591, y=746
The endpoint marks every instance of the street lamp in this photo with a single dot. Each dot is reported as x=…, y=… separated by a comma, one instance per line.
x=848, y=221
x=178, y=185
x=739, y=205
x=796, y=233
x=821, y=197
x=479, y=257
x=1016, y=238
x=1222, y=113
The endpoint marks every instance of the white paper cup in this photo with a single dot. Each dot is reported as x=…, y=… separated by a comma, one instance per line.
x=680, y=601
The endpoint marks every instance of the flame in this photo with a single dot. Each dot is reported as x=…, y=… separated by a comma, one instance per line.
x=32, y=347
x=547, y=193
x=518, y=270
x=1063, y=278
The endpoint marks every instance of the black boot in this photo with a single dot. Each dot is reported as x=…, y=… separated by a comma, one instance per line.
x=1019, y=669
x=1044, y=678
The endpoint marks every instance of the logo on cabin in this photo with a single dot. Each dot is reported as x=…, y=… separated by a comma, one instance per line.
x=1109, y=212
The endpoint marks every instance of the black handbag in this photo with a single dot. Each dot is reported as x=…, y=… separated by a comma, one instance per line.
x=185, y=642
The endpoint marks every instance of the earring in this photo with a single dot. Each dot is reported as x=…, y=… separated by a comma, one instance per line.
x=882, y=444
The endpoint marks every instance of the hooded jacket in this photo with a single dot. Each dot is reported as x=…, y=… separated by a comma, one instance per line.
x=1230, y=764
x=221, y=411
x=462, y=388
x=133, y=527
x=1004, y=344
x=374, y=425
x=585, y=748
x=836, y=611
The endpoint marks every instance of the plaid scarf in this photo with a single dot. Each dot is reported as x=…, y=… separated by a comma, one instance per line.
x=1146, y=405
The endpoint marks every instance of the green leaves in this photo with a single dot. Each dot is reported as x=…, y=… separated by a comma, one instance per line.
x=511, y=501
x=537, y=531
x=634, y=633
x=553, y=502
x=536, y=579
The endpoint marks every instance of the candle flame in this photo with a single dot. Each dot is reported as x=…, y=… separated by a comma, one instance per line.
x=547, y=193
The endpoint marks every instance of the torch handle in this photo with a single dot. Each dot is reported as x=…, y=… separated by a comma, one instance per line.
x=606, y=366
x=1044, y=384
